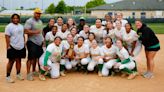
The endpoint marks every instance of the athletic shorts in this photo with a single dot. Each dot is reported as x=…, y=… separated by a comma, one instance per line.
x=13, y=53
x=152, y=49
x=34, y=50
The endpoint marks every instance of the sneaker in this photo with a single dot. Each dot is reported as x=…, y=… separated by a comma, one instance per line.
x=99, y=74
x=148, y=75
x=30, y=77
x=144, y=73
x=131, y=76
x=35, y=74
x=9, y=79
x=62, y=73
x=20, y=77
x=42, y=77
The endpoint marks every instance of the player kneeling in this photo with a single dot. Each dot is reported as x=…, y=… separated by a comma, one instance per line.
x=125, y=63
x=108, y=51
x=81, y=54
x=67, y=61
x=96, y=58
x=50, y=61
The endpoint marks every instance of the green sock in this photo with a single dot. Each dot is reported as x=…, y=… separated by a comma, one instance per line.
x=62, y=67
x=42, y=71
x=100, y=66
x=127, y=70
x=135, y=68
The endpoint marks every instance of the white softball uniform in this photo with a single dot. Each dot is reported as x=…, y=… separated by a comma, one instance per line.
x=88, y=42
x=75, y=38
x=95, y=58
x=119, y=33
x=123, y=21
x=50, y=37
x=84, y=49
x=129, y=38
x=68, y=64
x=111, y=34
x=52, y=60
x=63, y=35
x=59, y=27
x=123, y=55
x=108, y=53
x=83, y=34
x=98, y=33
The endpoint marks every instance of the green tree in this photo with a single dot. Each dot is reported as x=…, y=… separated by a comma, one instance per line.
x=94, y=3
x=50, y=9
x=61, y=7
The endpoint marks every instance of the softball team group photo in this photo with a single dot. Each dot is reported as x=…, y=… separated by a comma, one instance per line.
x=108, y=47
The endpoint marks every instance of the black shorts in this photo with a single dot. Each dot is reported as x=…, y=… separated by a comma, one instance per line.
x=13, y=53
x=152, y=49
x=34, y=51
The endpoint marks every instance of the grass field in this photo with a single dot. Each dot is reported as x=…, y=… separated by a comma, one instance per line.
x=158, y=28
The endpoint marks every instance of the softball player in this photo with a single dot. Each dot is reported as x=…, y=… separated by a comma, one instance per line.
x=119, y=30
x=71, y=23
x=98, y=29
x=64, y=32
x=120, y=18
x=51, y=35
x=108, y=51
x=89, y=41
x=96, y=59
x=50, y=61
x=130, y=38
x=85, y=32
x=74, y=34
x=125, y=63
x=109, y=31
x=81, y=53
x=68, y=56
x=59, y=23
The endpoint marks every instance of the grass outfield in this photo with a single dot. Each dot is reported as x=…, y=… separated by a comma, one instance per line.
x=158, y=28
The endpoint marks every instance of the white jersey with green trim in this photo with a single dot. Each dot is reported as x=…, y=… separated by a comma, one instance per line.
x=81, y=50
x=130, y=37
x=122, y=54
x=109, y=52
x=119, y=33
x=50, y=37
x=88, y=42
x=98, y=33
x=83, y=34
x=63, y=35
x=95, y=51
x=110, y=34
x=65, y=44
x=53, y=49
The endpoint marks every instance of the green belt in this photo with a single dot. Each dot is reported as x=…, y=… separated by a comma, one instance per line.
x=154, y=46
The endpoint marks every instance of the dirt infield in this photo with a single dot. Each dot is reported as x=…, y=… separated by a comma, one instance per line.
x=78, y=82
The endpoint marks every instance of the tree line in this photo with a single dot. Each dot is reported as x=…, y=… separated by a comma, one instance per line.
x=63, y=8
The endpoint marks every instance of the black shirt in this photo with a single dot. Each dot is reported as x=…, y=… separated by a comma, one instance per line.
x=147, y=36
x=46, y=30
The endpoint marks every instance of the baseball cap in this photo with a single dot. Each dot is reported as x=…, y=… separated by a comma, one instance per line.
x=38, y=10
x=82, y=18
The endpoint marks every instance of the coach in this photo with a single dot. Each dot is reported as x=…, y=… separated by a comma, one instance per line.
x=33, y=28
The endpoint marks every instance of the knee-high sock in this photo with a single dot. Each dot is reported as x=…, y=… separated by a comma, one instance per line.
x=42, y=71
x=100, y=66
x=62, y=67
x=135, y=68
